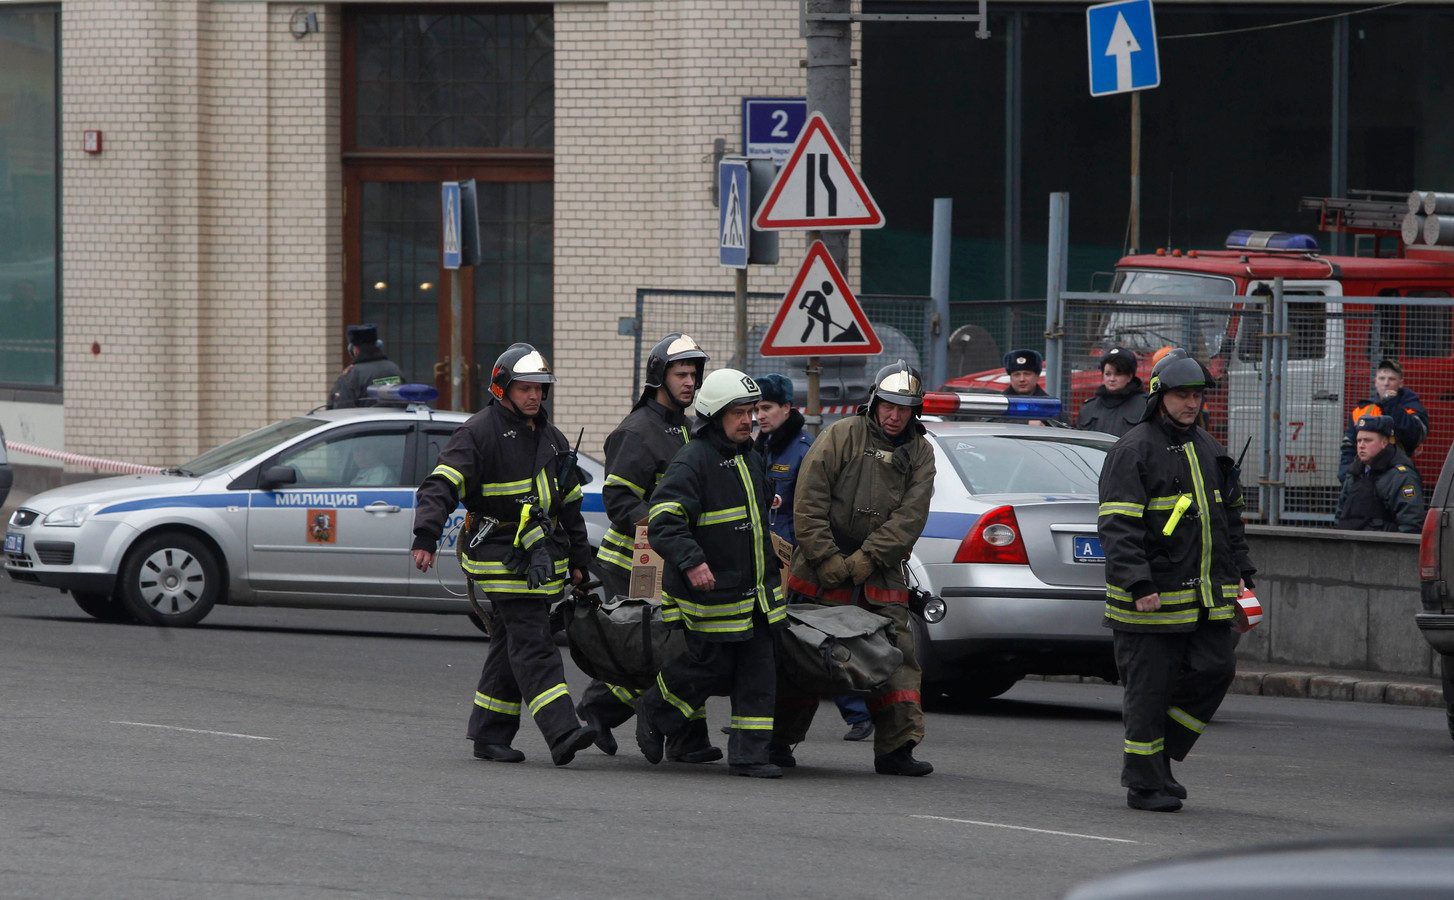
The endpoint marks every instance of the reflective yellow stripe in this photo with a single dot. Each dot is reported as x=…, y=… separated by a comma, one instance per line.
x=742, y=607
x=668, y=506
x=752, y=723
x=502, y=488
x=1159, y=503
x=487, y=567
x=504, y=707
x=719, y=516
x=1115, y=508
x=575, y=495
x=453, y=475
x=1217, y=495
x=720, y=626
x=555, y=693
x=778, y=613
x=759, y=566
x=618, y=481
x=625, y=695
x=1186, y=719
x=613, y=557
x=698, y=715
x=1200, y=488
x=1231, y=592
x=1118, y=593
x=1132, y=617
x=1145, y=748
x=673, y=699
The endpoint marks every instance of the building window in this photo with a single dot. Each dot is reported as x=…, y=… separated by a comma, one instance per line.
x=29, y=203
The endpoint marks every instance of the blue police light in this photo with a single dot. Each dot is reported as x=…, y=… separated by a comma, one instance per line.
x=1032, y=407
x=403, y=393
x=1246, y=239
x=948, y=403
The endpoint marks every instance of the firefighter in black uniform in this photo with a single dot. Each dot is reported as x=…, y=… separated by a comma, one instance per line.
x=370, y=367
x=637, y=453
x=709, y=522
x=1382, y=490
x=515, y=474
x=1176, y=559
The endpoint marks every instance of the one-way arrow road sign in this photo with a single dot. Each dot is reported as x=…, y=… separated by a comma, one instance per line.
x=818, y=188
x=1121, y=45
x=820, y=316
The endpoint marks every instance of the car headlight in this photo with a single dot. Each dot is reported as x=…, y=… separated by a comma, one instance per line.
x=71, y=516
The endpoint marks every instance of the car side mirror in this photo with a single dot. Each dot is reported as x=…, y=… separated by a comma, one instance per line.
x=277, y=476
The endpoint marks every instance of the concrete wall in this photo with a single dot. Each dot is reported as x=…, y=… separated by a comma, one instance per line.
x=1344, y=600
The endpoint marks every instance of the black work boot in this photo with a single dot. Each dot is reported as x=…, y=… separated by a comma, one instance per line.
x=757, y=770
x=604, y=739
x=498, y=752
x=693, y=745
x=781, y=755
x=901, y=762
x=648, y=737
x=1151, y=801
x=1171, y=785
x=564, y=750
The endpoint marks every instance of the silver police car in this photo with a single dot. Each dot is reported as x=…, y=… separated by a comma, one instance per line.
x=315, y=511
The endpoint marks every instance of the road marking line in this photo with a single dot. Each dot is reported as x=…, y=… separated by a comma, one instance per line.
x=1090, y=837
x=250, y=737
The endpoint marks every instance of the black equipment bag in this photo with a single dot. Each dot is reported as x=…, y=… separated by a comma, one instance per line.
x=834, y=650
x=621, y=641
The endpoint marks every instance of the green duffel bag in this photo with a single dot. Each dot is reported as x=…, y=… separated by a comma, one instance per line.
x=621, y=641
x=834, y=650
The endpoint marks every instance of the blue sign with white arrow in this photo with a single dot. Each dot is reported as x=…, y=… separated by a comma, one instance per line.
x=1121, y=44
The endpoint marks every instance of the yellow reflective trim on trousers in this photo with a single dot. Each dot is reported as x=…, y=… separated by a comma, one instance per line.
x=1199, y=487
x=1132, y=617
x=1134, y=510
x=1186, y=719
x=716, y=612
x=504, y=707
x=504, y=488
x=1145, y=748
x=618, y=481
x=721, y=516
x=752, y=723
x=452, y=475
x=673, y=699
x=624, y=694
x=548, y=696
x=669, y=506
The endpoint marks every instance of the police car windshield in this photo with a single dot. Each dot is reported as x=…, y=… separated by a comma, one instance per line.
x=1000, y=464
x=247, y=446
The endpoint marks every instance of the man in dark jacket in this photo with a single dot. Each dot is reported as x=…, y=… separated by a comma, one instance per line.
x=511, y=469
x=1023, y=368
x=1120, y=400
x=637, y=453
x=709, y=523
x=1392, y=399
x=370, y=367
x=1176, y=559
x=1382, y=490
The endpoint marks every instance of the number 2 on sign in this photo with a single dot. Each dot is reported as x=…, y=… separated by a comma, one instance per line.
x=780, y=123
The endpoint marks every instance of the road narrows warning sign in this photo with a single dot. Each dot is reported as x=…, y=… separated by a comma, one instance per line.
x=818, y=189
x=819, y=315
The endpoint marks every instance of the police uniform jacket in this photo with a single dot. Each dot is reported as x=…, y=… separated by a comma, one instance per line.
x=1194, y=561
x=1410, y=425
x=784, y=450
x=859, y=489
x=637, y=453
x=370, y=367
x=711, y=507
x=1113, y=412
x=1387, y=497
x=501, y=468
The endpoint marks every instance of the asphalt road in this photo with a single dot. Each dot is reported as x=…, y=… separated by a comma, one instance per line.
x=289, y=754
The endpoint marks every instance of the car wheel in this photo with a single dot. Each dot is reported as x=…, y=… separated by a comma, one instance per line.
x=100, y=606
x=170, y=579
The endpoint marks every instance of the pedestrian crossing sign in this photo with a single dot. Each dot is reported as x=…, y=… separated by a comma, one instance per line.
x=819, y=315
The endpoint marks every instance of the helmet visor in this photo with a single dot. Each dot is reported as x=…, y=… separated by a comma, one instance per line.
x=531, y=368
x=902, y=387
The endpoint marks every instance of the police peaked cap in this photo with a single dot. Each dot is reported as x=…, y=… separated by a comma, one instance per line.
x=1381, y=424
x=363, y=335
x=1121, y=358
x=776, y=388
x=1023, y=361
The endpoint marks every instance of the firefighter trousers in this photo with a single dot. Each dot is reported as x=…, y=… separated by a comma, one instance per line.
x=612, y=705
x=522, y=669
x=897, y=710
x=746, y=671
x=1173, y=685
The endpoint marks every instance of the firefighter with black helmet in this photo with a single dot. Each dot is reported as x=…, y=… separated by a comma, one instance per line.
x=862, y=501
x=709, y=522
x=1176, y=560
x=513, y=471
x=637, y=453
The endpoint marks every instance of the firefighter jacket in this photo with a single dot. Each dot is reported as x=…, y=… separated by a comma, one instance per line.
x=1171, y=523
x=501, y=468
x=1410, y=425
x=711, y=507
x=637, y=453
x=859, y=489
x=1385, y=495
x=784, y=450
x=370, y=367
x=1113, y=412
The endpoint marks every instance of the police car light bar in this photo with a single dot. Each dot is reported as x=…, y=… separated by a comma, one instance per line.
x=1246, y=239
x=948, y=403
x=403, y=393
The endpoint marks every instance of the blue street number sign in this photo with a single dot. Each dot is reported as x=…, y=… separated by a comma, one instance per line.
x=1121, y=45
x=770, y=126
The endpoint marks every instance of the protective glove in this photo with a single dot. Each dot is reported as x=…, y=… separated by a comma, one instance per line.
x=542, y=567
x=834, y=571
x=515, y=560
x=859, y=566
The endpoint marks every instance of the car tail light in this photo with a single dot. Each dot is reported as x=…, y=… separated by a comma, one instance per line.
x=1429, y=546
x=995, y=538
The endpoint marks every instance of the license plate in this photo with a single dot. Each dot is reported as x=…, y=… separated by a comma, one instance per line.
x=1088, y=549
x=14, y=543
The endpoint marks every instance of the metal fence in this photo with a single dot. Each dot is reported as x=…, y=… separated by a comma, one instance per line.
x=1290, y=369
x=904, y=326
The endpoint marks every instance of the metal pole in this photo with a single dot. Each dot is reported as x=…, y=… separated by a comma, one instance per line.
x=1265, y=498
x=456, y=341
x=1057, y=269
x=1279, y=344
x=739, y=351
x=812, y=408
x=937, y=341
x=1135, y=171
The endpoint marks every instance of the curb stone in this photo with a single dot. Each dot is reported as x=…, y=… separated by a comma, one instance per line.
x=1311, y=685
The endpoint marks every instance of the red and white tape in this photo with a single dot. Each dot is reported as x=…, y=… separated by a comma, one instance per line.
x=95, y=462
x=832, y=410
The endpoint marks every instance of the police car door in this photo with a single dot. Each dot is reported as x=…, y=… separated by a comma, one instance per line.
x=445, y=581
x=343, y=528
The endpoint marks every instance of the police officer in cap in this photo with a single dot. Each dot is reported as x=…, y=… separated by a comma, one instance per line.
x=370, y=367
x=637, y=453
x=1119, y=401
x=1176, y=559
x=1382, y=490
x=1024, y=368
x=514, y=472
